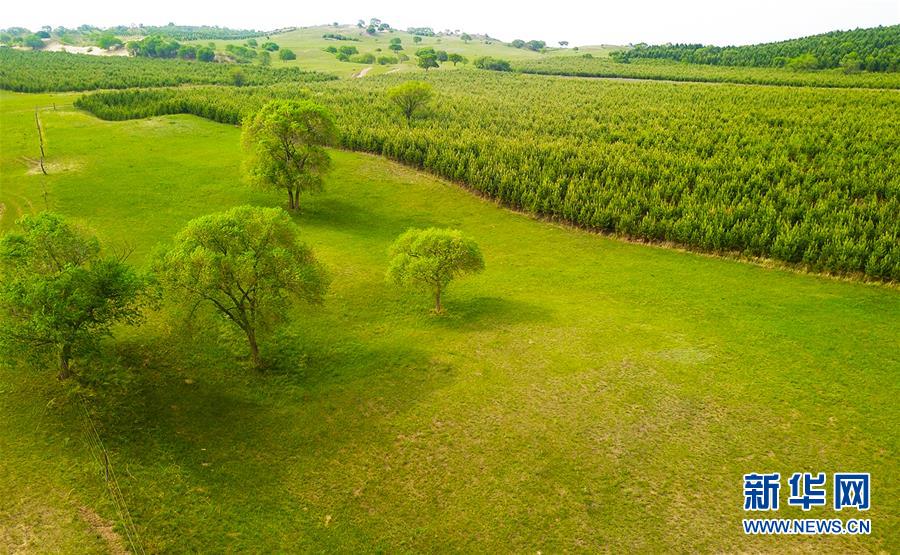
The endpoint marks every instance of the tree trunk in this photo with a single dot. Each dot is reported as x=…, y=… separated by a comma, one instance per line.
x=254, y=348
x=297, y=200
x=437, y=300
x=65, y=355
x=290, y=199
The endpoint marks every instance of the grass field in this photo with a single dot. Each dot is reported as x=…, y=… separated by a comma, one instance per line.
x=583, y=393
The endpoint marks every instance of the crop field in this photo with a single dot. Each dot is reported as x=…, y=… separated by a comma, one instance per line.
x=600, y=66
x=564, y=305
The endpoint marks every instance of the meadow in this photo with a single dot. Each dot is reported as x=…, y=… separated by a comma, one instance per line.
x=583, y=393
x=805, y=176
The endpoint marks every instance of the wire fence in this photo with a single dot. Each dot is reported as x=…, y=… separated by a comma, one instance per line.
x=101, y=457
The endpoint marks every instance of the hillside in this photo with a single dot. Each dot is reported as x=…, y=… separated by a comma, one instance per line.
x=309, y=44
x=875, y=49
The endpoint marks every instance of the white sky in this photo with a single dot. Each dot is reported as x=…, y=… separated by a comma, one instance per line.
x=580, y=22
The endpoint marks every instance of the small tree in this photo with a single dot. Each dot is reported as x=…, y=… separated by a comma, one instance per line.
x=457, y=58
x=428, y=61
x=238, y=78
x=466, y=37
x=412, y=97
x=58, y=294
x=285, y=147
x=247, y=264
x=287, y=54
x=417, y=39
x=34, y=42
x=431, y=258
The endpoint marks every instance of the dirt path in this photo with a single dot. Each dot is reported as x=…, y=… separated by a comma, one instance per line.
x=363, y=72
x=105, y=530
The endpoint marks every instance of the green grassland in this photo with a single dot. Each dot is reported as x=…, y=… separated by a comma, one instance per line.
x=583, y=393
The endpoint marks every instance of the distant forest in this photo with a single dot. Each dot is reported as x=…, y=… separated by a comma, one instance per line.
x=875, y=49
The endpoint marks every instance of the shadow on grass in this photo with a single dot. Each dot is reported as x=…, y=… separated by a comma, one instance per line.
x=479, y=313
x=340, y=215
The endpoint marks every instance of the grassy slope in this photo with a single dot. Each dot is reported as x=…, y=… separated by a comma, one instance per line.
x=582, y=392
x=308, y=44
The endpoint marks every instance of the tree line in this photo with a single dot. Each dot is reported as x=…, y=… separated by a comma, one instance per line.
x=588, y=65
x=875, y=49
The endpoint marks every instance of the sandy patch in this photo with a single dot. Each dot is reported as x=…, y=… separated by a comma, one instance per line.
x=105, y=530
x=362, y=73
x=52, y=166
x=56, y=46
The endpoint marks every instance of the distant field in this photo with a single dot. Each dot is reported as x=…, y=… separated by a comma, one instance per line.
x=601, y=66
x=583, y=394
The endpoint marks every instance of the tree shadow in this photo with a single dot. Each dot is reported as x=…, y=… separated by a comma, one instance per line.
x=480, y=313
x=337, y=214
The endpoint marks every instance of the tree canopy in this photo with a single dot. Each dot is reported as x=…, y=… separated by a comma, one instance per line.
x=58, y=294
x=412, y=97
x=284, y=145
x=247, y=264
x=431, y=258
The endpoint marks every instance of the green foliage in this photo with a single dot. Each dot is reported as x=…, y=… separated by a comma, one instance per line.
x=58, y=295
x=387, y=60
x=189, y=32
x=241, y=54
x=284, y=146
x=187, y=52
x=431, y=258
x=251, y=43
x=33, y=41
x=420, y=32
x=154, y=46
x=427, y=58
x=60, y=71
x=494, y=64
x=803, y=175
x=108, y=41
x=595, y=66
x=412, y=98
x=803, y=62
x=457, y=58
x=338, y=36
x=879, y=47
x=247, y=264
x=286, y=54
x=367, y=58
x=206, y=54
x=270, y=46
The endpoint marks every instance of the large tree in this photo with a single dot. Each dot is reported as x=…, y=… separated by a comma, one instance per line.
x=431, y=258
x=284, y=145
x=58, y=294
x=411, y=97
x=247, y=264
